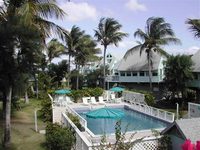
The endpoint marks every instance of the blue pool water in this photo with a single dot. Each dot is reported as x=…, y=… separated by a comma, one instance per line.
x=132, y=121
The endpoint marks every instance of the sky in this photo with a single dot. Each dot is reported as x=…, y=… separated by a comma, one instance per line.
x=132, y=14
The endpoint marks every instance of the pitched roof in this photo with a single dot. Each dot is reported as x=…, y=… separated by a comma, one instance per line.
x=189, y=128
x=196, y=60
x=137, y=62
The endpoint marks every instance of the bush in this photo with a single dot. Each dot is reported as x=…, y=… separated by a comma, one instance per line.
x=46, y=110
x=164, y=143
x=149, y=99
x=76, y=121
x=87, y=92
x=59, y=138
x=96, y=92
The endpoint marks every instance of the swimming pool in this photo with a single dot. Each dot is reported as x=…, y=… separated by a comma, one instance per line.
x=132, y=121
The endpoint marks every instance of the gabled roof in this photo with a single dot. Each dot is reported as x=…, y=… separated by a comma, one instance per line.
x=189, y=128
x=137, y=62
x=196, y=60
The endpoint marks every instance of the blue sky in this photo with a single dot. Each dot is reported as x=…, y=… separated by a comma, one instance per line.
x=132, y=14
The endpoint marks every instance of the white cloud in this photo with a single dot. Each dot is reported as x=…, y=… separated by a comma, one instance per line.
x=79, y=11
x=1, y=2
x=188, y=51
x=192, y=50
x=134, y=5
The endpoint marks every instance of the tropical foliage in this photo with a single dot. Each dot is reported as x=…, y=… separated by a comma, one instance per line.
x=194, y=26
x=54, y=49
x=108, y=33
x=25, y=25
x=157, y=33
x=58, y=137
x=178, y=71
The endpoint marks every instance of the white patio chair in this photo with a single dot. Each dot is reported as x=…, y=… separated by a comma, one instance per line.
x=113, y=99
x=85, y=101
x=101, y=101
x=93, y=101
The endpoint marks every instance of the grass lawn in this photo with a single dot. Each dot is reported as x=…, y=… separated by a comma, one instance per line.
x=23, y=136
x=182, y=113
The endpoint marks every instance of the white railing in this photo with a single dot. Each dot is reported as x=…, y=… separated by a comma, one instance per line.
x=83, y=122
x=152, y=111
x=83, y=143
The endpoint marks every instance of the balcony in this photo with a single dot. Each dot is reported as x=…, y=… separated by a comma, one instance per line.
x=194, y=84
x=133, y=79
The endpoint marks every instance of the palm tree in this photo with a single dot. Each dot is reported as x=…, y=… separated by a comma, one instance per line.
x=107, y=33
x=72, y=39
x=16, y=18
x=86, y=52
x=157, y=34
x=54, y=49
x=194, y=26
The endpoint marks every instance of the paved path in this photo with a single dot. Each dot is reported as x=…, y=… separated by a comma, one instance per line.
x=57, y=111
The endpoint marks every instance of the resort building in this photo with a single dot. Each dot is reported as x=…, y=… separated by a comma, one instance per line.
x=133, y=72
x=195, y=84
x=111, y=62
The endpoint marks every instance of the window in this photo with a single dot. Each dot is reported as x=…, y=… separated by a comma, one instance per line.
x=134, y=73
x=116, y=73
x=142, y=73
x=128, y=74
x=155, y=73
x=147, y=73
x=195, y=76
x=122, y=73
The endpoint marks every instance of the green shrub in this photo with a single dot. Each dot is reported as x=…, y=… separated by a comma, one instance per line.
x=46, y=110
x=149, y=99
x=76, y=121
x=86, y=92
x=164, y=143
x=97, y=92
x=59, y=138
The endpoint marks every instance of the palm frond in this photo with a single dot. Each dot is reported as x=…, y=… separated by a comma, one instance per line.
x=49, y=10
x=194, y=26
x=49, y=28
x=140, y=34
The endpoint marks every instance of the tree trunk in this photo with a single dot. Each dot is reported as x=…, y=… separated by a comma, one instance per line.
x=69, y=69
x=77, y=78
x=104, y=67
x=4, y=105
x=26, y=97
x=150, y=74
x=7, y=129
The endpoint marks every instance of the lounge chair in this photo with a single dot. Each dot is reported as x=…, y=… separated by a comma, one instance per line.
x=112, y=97
x=85, y=101
x=101, y=101
x=93, y=101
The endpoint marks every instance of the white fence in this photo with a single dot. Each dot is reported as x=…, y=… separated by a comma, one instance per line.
x=193, y=110
x=83, y=143
x=152, y=111
x=130, y=96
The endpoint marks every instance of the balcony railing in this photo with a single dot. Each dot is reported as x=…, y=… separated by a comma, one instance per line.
x=134, y=79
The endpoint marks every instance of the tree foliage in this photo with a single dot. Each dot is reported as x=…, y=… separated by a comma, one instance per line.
x=194, y=26
x=157, y=33
x=178, y=71
x=58, y=137
x=108, y=33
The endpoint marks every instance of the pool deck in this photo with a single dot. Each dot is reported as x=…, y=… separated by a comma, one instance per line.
x=57, y=112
